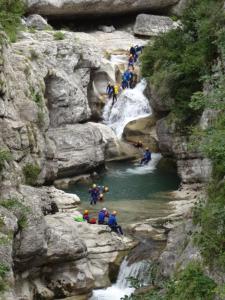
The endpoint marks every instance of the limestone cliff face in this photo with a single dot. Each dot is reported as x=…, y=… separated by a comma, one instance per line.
x=66, y=8
x=44, y=114
x=174, y=140
x=43, y=91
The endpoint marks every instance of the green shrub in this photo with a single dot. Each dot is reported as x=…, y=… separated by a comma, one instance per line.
x=177, y=60
x=5, y=155
x=10, y=17
x=19, y=209
x=31, y=172
x=3, y=272
x=191, y=283
x=59, y=35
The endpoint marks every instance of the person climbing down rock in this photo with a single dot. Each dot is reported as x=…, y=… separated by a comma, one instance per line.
x=86, y=216
x=109, y=90
x=112, y=223
x=147, y=157
x=132, y=51
x=102, y=215
x=131, y=61
x=94, y=191
x=115, y=93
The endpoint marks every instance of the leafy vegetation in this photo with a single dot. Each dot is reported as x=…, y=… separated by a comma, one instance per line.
x=3, y=272
x=31, y=172
x=59, y=35
x=191, y=283
x=19, y=209
x=10, y=17
x=5, y=155
x=177, y=60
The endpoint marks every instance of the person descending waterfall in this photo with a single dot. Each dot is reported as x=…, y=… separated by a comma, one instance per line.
x=112, y=223
x=109, y=89
x=102, y=215
x=131, y=61
x=147, y=157
x=94, y=191
x=115, y=93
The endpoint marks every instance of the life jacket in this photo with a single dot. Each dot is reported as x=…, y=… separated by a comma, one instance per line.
x=94, y=193
x=86, y=217
x=112, y=220
x=116, y=89
x=101, y=216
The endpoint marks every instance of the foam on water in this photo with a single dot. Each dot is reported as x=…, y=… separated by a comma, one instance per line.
x=146, y=169
x=131, y=105
x=121, y=288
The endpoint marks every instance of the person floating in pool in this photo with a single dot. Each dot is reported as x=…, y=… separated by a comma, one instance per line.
x=94, y=191
x=147, y=157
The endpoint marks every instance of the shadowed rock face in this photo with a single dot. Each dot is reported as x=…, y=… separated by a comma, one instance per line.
x=66, y=8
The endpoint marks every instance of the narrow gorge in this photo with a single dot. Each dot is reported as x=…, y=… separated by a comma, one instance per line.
x=61, y=133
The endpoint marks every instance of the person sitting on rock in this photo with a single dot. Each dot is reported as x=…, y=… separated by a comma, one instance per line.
x=94, y=191
x=147, y=157
x=102, y=215
x=86, y=216
x=112, y=223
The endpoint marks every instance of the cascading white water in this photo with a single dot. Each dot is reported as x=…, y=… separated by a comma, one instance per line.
x=131, y=105
x=137, y=270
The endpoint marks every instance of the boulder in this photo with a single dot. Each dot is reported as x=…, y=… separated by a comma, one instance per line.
x=142, y=130
x=152, y=25
x=69, y=8
x=180, y=7
x=37, y=22
x=106, y=29
x=195, y=170
x=80, y=148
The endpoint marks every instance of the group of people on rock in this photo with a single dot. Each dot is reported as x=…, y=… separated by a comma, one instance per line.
x=104, y=218
x=129, y=77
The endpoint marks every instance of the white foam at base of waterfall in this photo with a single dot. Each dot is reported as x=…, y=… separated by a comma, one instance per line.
x=131, y=105
x=145, y=169
x=121, y=288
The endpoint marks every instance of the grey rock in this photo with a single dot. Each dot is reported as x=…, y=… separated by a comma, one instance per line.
x=37, y=22
x=106, y=29
x=152, y=25
x=61, y=8
x=195, y=170
x=80, y=148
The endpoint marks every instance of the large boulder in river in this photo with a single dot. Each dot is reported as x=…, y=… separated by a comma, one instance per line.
x=152, y=25
x=80, y=148
x=142, y=130
x=66, y=8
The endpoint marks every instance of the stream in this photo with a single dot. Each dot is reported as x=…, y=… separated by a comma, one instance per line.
x=135, y=192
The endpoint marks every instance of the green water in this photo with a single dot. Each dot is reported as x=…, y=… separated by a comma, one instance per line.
x=135, y=192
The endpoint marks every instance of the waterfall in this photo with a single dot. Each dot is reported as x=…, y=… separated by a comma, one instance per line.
x=121, y=288
x=131, y=105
